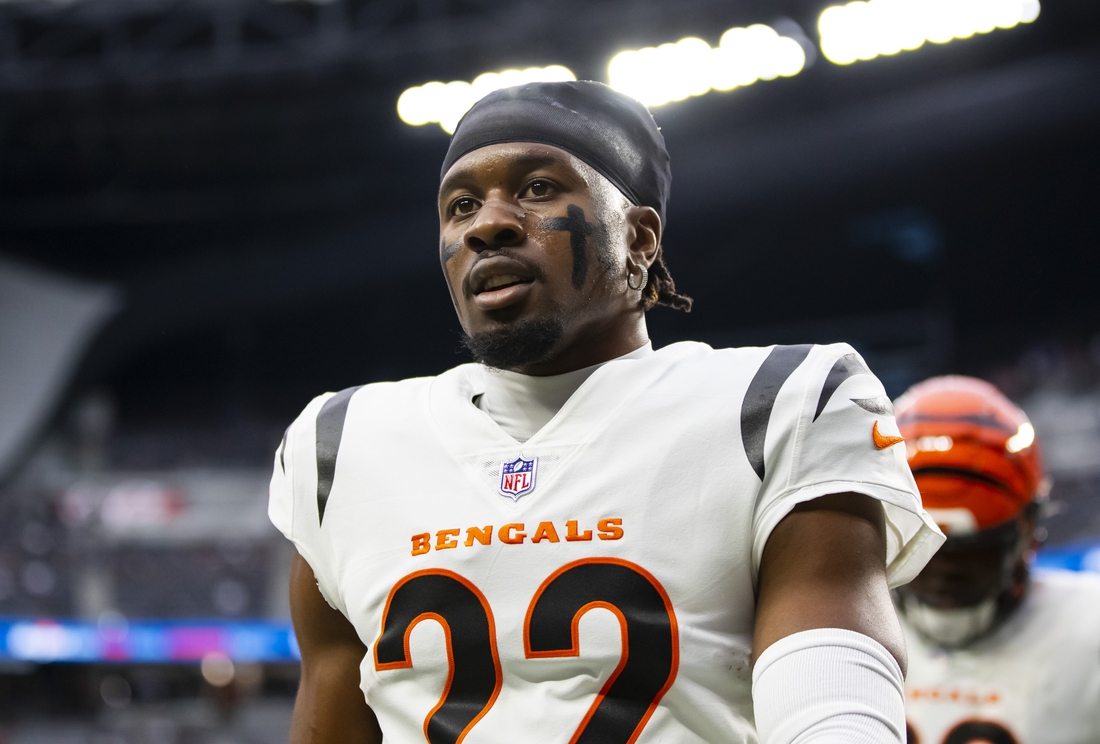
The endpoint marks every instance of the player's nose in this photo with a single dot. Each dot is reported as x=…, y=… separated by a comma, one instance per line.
x=497, y=224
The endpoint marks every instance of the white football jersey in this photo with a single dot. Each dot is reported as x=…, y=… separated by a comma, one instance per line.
x=1034, y=680
x=596, y=583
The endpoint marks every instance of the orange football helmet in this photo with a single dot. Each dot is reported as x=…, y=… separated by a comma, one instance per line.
x=973, y=453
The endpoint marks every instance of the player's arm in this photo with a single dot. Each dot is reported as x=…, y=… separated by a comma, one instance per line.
x=330, y=708
x=824, y=566
x=828, y=650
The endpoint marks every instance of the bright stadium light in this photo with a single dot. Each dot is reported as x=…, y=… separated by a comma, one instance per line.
x=690, y=67
x=445, y=103
x=865, y=30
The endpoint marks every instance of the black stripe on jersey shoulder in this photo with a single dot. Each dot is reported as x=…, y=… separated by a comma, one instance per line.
x=756, y=409
x=880, y=405
x=282, y=451
x=330, y=429
x=847, y=366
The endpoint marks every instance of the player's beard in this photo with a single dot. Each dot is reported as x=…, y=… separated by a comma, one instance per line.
x=519, y=344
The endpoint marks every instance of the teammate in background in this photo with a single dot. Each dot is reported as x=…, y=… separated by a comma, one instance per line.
x=997, y=653
x=579, y=538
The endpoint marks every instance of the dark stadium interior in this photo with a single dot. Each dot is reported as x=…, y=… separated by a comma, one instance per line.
x=245, y=215
x=237, y=172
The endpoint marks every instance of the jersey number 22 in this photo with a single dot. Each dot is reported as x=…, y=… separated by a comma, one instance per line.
x=550, y=629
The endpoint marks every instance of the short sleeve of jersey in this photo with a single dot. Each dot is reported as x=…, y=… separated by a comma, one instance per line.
x=831, y=429
x=292, y=498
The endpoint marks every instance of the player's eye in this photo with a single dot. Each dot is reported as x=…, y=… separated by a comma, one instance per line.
x=538, y=188
x=464, y=206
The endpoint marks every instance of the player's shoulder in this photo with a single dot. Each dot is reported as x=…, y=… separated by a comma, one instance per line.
x=380, y=396
x=802, y=380
x=810, y=354
x=775, y=364
x=375, y=406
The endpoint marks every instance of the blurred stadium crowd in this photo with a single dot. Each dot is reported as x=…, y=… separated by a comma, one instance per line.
x=229, y=273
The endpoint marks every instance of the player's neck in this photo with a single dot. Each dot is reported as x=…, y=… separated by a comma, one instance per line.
x=522, y=404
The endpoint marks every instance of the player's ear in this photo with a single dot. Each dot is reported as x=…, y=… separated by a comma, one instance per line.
x=643, y=234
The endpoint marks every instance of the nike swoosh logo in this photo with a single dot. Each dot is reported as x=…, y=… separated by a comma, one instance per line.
x=882, y=441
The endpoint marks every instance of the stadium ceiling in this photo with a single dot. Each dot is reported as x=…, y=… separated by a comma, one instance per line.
x=220, y=160
x=88, y=43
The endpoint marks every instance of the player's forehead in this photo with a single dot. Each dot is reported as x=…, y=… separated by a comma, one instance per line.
x=510, y=160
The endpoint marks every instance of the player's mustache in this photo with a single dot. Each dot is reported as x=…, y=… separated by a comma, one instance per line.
x=530, y=267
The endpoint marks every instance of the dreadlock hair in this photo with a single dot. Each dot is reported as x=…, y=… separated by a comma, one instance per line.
x=661, y=289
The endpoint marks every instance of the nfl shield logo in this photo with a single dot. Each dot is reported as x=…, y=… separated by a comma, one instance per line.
x=517, y=478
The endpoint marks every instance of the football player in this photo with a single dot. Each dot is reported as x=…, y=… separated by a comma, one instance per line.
x=580, y=538
x=997, y=653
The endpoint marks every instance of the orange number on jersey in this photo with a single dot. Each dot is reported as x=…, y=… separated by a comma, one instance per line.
x=550, y=629
x=646, y=620
x=474, y=679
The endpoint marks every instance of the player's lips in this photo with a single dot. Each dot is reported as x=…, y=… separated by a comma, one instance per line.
x=495, y=299
x=499, y=281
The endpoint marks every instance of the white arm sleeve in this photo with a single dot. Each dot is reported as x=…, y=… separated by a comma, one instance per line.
x=828, y=686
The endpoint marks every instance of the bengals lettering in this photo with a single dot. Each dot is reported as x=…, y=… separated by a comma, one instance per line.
x=516, y=533
x=945, y=695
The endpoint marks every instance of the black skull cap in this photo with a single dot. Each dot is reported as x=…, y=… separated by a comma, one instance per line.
x=608, y=130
